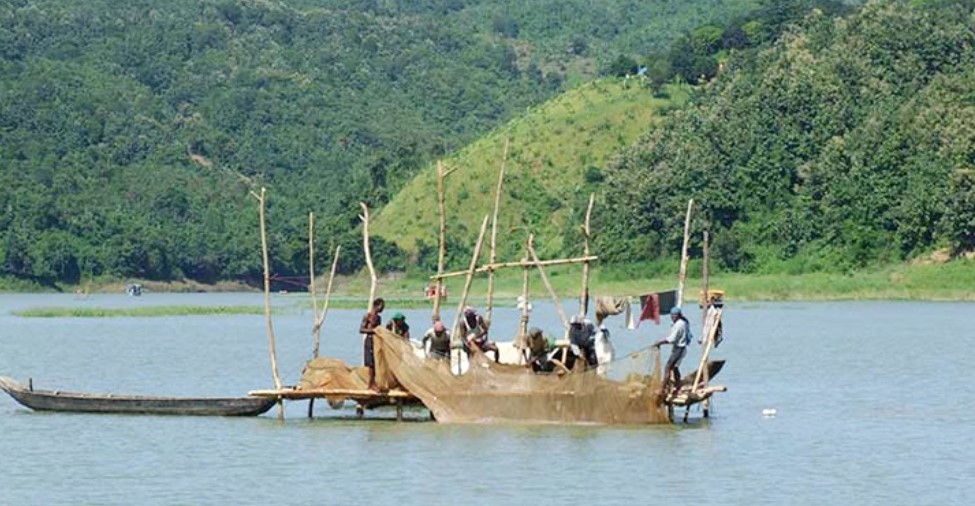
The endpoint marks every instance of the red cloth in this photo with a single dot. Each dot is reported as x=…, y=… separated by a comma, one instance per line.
x=649, y=308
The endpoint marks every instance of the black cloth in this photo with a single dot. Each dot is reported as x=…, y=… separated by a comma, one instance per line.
x=368, y=355
x=584, y=336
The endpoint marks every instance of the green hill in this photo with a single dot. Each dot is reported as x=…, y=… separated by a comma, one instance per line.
x=556, y=155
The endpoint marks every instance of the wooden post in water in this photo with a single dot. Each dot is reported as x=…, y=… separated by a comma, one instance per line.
x=683, y=254
x=494, y=232
x=455, y=328
x=267, y=299
x=586, y=230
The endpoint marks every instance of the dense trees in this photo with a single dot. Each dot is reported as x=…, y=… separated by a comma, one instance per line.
x=131, y=132
x=846, y=143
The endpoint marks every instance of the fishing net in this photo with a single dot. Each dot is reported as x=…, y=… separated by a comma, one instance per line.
x=333, y=374
x=628, y=393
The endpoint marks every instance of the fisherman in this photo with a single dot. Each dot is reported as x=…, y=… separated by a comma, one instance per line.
x=536, y=351
x=582, y=334
x=439, y=339
x=475, y=329
x=370, y=322
x=399, y=326
x=680, y=336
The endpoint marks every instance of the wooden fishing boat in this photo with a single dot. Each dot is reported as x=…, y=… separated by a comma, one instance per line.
x=57, y=400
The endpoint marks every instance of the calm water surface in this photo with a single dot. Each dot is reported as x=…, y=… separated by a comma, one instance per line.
x=874, y=401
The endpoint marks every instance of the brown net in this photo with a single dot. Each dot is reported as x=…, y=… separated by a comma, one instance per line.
x=333, y=374
x=629, y=393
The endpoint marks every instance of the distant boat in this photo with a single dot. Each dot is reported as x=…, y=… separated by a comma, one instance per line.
x=56, y=400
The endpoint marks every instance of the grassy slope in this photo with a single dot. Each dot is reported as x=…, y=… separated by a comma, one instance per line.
x=551, y=146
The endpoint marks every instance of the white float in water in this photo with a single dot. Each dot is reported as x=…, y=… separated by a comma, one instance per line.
x=769, y=412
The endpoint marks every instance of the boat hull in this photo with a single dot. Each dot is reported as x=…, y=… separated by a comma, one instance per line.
x=79, y=402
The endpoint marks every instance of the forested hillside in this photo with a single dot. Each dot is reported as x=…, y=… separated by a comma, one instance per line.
x=131, y=132
x=849, y=142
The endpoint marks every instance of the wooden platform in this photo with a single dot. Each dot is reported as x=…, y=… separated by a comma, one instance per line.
x=365, y=399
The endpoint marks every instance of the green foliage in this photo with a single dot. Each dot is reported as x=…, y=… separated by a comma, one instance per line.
x=959, y=217
x=622, y=66
x=132, y=132
x=832, y=149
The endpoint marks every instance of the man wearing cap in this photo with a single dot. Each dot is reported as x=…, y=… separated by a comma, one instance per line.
x=439, y=341
x=399, y=326
x=680, y=336
x=475, y=328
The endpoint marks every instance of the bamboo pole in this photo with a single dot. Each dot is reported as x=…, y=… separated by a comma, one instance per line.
x=311, y=283
x=522, y=263
x=314, y=299
x=455, y=328
x=705, y=299
x=272, y=346
x=683, y=254
x=267, y=290
x=586, y=231
x=365, y=248
x=494, y=232
x=320, y=320
x=523, y=322
x=706, y=403
x=548, y=285
x=708, y=345
x=442, y=251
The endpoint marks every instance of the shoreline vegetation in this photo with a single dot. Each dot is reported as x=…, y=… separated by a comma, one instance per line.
x=949, y=281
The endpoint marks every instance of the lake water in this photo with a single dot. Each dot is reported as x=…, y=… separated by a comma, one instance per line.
x=874, y=406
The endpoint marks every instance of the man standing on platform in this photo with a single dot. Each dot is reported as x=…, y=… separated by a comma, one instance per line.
x=370, y=322
x=679, y=337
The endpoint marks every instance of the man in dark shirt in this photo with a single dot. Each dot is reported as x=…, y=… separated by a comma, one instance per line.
x=370, y=322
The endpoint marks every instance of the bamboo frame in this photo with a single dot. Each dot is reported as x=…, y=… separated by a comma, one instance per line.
x=548, y=285
x=467, y=286
x=586, y=233
x=494, y=231
x=683, y=255
x=522, y=263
